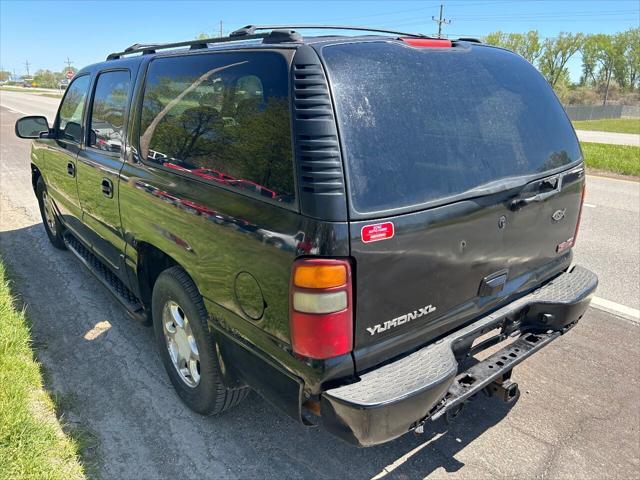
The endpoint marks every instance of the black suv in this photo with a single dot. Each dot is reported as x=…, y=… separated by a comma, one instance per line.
x=338, y=222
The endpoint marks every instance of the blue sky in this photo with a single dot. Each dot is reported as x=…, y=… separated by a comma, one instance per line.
x=46, y=32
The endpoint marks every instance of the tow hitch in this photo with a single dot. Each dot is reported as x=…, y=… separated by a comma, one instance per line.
x=504, y=389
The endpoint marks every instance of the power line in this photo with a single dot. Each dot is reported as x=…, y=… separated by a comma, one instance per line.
x=441, y=21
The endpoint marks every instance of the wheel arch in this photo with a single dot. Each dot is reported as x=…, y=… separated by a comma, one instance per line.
x=151, y=262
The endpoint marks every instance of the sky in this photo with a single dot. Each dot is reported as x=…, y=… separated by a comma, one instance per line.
x=47, y=33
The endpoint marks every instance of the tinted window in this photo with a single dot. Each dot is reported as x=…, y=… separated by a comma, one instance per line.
x=71, y=110
x=421, y=124
x=223, y=118
x=107, y=111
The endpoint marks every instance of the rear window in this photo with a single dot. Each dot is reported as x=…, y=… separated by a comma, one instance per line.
x=420, y=124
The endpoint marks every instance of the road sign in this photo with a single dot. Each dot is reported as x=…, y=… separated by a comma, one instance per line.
x=69, y=74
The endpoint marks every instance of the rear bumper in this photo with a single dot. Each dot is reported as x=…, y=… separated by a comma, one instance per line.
x=391, y=400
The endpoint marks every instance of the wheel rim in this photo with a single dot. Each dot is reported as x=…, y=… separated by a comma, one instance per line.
x=49, y=215
x=181, y=344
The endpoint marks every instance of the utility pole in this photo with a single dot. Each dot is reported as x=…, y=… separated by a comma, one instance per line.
x=221, y=30
x=441, y=21
x=68, y=62
x=26, y=64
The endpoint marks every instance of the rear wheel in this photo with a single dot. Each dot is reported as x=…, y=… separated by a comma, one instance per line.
x=52, y=224
x=186, y=345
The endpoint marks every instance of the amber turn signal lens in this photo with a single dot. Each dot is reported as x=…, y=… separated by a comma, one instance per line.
x=320, y=276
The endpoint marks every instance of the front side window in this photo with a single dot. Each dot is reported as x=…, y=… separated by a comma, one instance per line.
x=108, y=109
x=71, y=110
x=222, y=118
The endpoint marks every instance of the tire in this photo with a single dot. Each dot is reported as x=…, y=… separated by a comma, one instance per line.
x=176, y=298
x=50, y=220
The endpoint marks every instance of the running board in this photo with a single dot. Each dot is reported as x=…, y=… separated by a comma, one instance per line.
x=110, y=280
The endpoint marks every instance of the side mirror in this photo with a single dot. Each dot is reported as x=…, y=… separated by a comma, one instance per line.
x=31, y=127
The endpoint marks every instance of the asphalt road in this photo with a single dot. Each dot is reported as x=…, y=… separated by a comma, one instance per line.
x=578, y=415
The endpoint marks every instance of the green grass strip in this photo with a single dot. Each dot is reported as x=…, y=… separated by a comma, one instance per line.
x=620, y=159
x=32, y=443
x=618, y=125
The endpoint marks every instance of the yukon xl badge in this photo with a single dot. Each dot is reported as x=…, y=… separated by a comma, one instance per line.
x=558, y=214
x=401, y=320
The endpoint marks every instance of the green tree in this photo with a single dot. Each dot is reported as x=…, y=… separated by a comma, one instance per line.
x=556, y=53
x=626, y=70
x=525, y=44
x=4, y=76
x=589, y=52
x=46, y=79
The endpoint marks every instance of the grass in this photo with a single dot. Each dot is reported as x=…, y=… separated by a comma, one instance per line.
x=32, y=442
x=618, y=125
x=33, y=91
x=620, y=159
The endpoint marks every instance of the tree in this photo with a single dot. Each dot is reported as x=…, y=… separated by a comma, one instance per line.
x=556, y=53
x=589, y=52
x=525, y=44
x=46, y=79
x=4, y=76
x=631, y=56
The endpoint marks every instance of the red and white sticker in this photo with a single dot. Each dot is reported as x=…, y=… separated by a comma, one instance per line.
x=377, y=232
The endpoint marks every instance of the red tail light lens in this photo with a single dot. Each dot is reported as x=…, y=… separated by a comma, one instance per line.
x=321, y=312
x=427, y=42
x=567, y=244
x=584, y=193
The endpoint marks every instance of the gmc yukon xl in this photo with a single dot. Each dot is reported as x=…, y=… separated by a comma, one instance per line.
x=342, y=223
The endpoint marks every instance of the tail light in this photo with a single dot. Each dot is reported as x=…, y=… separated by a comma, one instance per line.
x=321, y=312
x=584, y=193
x=567, y=244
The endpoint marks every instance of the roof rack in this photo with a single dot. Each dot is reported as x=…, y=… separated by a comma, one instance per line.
x=251, y=29
x=145, y=49
x=277, y=34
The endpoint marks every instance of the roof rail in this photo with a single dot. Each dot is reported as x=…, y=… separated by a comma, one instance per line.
x=251, y=29
x=271, y=37
x=278, y=34
x=468, y=39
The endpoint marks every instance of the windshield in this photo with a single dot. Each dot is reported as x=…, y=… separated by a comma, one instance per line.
x=422, y=124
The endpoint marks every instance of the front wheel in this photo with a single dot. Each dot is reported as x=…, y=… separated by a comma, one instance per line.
x=52, y=224
x=186, y=346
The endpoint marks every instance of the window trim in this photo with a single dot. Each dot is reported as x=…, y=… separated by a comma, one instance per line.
x=56, y=123
x=87, y=122
x=137, y=124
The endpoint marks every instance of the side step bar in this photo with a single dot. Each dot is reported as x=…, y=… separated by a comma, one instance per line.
x=117, y=288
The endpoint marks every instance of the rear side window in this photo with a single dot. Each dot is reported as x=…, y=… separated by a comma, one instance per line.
x=72, y=109
x=221, y=118
x=107, y=112
x=420, y=125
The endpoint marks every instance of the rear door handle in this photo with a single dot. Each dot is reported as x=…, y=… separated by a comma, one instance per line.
x=107, y=187
x=521, y=202
x=71, y=169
